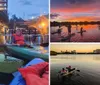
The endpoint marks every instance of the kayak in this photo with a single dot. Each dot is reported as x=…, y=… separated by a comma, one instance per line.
x=66, y=74
x=26, y=54
x=70, y=73
x=18, y=80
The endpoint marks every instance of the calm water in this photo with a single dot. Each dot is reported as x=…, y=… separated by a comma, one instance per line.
x=89, y=66
x=91, y=35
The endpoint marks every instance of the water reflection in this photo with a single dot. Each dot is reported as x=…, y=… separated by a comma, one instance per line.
x=97, y=58
x=89, y=65
x=76, y=58
x=83, y=33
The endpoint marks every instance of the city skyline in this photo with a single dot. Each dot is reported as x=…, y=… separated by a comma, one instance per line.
x=78, y=47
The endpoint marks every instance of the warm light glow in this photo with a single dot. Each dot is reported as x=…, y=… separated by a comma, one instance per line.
x=42, y=24
x=75, y=10
x=77, y=47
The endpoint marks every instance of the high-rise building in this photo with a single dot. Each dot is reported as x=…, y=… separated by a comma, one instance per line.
x=3, y=19
x=3, y=5
x=3, y=11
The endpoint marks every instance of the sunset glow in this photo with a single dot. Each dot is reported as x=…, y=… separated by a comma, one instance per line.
x=77, y=47
x=75, y=10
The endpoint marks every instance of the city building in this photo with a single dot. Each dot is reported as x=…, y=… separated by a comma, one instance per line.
x=3, y=11
x=96, y=51
x=73, y=51
x=3, y=19
x=3, y=5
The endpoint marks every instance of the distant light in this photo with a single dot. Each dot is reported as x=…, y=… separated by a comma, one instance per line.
x=44, y=12
x=33, y=17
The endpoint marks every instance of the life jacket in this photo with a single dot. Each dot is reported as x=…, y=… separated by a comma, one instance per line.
x=19, y=39
x=36, y=74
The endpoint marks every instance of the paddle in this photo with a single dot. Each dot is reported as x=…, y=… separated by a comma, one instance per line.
x=78, y=70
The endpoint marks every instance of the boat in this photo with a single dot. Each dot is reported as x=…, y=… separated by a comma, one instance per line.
x=68, y=74
x=26, y=54
x=18, y=80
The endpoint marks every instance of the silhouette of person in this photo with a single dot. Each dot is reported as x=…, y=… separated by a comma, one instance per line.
x=69, y=29
x=59, y=30
x=81, y=31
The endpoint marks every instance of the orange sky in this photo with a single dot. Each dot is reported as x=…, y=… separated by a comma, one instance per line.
x=77, y=47
x=76, y=10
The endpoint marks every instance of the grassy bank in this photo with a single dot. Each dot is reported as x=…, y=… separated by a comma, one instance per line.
x=1, y=49
x=10, y=66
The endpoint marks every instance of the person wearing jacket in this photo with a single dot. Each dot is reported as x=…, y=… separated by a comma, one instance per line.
x=18, y=38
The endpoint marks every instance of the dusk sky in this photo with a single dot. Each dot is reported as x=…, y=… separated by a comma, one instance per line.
x=75, y=10
x=77, y=47
x=28, y=8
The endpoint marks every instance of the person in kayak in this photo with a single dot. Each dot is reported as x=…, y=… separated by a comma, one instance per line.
x=62, y=72
x=70, y=72
x=18, y=38
x=69, y=69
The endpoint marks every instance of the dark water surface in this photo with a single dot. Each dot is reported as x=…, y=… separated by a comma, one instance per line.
x=89, y=66
x=92, y=34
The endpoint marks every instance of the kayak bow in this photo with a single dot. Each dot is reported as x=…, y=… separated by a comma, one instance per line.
x=25, y=53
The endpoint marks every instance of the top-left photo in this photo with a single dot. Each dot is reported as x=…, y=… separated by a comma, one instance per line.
x=24, y=42
x=24, y=22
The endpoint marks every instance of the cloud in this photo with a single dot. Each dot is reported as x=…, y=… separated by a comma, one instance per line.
x=53, y=16
x=26, y=2
x=70, y=4
x=33, y=14
x=80, y=1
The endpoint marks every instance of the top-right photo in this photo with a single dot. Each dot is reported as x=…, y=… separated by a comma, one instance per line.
x=75, y=20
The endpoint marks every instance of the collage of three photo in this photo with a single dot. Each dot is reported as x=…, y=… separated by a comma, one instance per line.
x=49, y=42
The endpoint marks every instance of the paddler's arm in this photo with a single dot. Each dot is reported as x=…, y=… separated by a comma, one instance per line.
x=73, y=69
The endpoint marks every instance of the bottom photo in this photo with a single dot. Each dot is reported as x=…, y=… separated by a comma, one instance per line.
x=75, y=64
x=24, y=65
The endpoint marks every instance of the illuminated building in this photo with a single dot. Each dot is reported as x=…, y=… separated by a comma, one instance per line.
x=3, y=11
x=3, y=19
